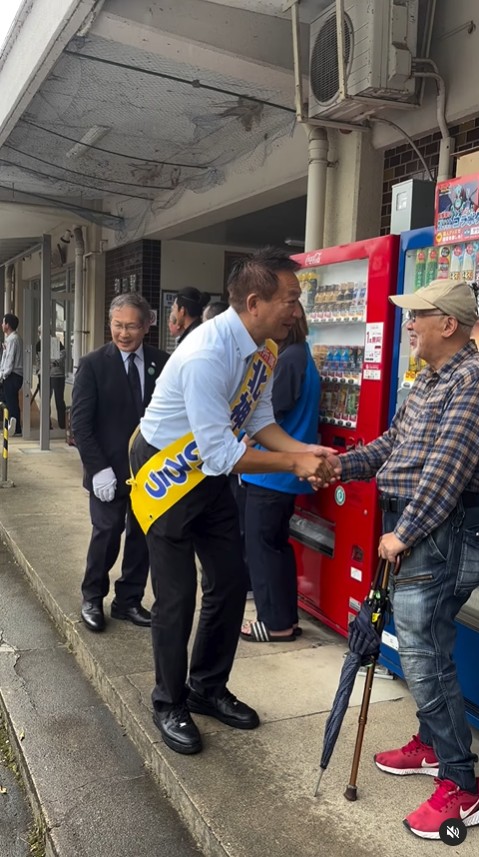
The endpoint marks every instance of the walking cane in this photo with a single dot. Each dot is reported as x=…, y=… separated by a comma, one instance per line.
x=378, y=594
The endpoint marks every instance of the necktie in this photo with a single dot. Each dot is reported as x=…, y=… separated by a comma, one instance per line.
x=135, y=383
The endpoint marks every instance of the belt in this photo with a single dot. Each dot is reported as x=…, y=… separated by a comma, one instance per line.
x=393, y=504
x=470, y=500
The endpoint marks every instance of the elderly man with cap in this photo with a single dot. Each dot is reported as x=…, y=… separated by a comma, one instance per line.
x=427, y=471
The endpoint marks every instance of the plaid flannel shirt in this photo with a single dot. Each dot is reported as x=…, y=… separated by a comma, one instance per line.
x=431, y=451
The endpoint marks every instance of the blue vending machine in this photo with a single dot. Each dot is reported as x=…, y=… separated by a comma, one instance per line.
x=419, y=263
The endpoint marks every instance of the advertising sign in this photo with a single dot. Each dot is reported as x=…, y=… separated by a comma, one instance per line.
x=457, y=210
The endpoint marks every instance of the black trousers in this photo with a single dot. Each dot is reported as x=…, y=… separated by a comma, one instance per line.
x=108, y=521
x=238, y=490
x=12, y=385
x=205, y=521
x=57, y=388
x=271, y=561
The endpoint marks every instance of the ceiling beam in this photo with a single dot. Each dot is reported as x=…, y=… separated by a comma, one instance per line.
x=170, y=46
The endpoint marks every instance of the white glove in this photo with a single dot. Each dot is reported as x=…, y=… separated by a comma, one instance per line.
x=104, y=485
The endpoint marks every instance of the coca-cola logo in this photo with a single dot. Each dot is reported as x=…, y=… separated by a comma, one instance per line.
x=313, y=259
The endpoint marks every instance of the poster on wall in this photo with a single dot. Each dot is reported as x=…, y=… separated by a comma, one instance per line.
x=167, y=341
x=457, y=210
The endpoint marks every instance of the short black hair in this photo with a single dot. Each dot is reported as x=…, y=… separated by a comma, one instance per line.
x=214, y=308
x=192, y=300
x=258, y=273
x=11, y=319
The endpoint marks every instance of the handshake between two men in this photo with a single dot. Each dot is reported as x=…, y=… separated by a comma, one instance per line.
x=281, y=453
x=320, y=466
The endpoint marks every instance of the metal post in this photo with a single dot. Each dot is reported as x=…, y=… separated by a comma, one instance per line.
x=45, y=309
x=2, y=290
x=78, y=323
x=27, y=362
x=340, y=47
x=4, y=482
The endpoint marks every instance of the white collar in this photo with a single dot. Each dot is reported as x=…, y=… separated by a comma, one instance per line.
x=139, y=353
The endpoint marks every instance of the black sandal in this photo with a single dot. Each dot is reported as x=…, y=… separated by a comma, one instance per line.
x=260, y=634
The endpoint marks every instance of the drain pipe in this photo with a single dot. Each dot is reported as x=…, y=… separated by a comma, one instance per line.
x=78, y=303
x=318, y=145
x=446, y=146
x=316, y=197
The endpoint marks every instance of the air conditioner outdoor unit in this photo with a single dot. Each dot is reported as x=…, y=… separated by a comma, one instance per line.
x=380, y=41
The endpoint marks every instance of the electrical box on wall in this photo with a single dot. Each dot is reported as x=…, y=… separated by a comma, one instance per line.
x=412, y=205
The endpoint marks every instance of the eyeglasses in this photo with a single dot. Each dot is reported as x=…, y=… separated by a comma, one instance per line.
x=411, y=315
x=129, y=328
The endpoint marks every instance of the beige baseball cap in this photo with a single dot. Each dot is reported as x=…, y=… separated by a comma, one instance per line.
x=452, y=297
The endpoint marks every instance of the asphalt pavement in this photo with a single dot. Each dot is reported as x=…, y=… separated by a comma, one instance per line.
x=82, y=773
x=16, y=818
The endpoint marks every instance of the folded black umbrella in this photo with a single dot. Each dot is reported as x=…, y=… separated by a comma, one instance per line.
x=363, y=637
x=364, y=641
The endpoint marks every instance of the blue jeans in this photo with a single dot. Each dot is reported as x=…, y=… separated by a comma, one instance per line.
x=433, y=583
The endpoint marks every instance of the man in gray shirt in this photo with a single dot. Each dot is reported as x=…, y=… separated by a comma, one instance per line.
x=11, y=368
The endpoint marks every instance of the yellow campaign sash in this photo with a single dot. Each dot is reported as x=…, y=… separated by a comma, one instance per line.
x=174, y=471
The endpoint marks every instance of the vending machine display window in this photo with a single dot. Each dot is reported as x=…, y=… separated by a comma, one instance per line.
x=334, y=298
x=419, y=266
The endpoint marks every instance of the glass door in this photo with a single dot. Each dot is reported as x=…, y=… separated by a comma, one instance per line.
x=63, y=293
x=61, y=329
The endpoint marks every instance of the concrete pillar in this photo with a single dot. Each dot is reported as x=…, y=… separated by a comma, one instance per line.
x=9, y=273
x=45, y=315
x=354, y=188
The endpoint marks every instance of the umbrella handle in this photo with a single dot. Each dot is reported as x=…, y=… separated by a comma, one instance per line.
x=351, y=790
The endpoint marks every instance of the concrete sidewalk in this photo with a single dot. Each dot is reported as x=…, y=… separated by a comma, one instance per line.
x=247, y=793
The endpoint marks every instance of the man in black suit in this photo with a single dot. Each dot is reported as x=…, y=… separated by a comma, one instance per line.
x=112, y=387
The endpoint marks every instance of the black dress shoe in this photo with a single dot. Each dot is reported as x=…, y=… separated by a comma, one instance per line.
x=136, y=614
x=226, y=708
x=92, y=615
x=178, y=730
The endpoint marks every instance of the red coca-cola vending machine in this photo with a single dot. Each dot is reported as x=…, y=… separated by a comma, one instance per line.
x=335, y=532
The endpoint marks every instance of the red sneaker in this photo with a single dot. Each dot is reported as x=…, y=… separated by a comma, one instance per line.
x=413, y=758
x=447, y=802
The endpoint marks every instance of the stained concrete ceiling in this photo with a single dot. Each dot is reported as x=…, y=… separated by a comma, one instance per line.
x=154, y=98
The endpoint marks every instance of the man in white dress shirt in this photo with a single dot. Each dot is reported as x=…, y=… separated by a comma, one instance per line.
x=11, y=369
x=217, y=382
